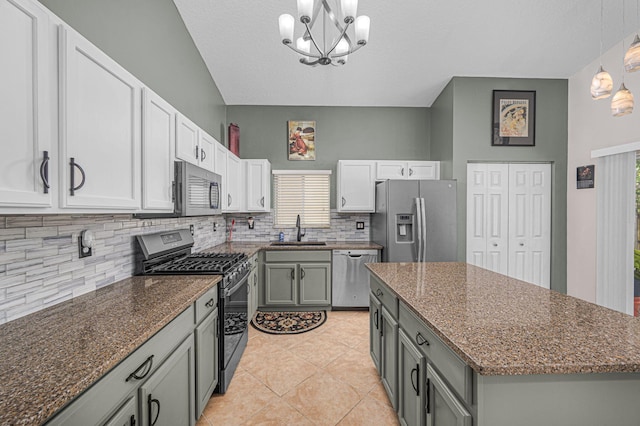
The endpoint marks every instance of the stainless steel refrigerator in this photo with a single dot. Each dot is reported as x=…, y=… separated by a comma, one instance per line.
x=415, y=221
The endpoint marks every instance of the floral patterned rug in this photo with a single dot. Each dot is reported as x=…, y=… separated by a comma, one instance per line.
x=288, y=322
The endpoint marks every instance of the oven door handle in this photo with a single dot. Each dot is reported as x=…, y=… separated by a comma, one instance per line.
x=229, y=291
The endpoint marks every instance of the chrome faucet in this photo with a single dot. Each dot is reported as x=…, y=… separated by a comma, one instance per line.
x=300, y=234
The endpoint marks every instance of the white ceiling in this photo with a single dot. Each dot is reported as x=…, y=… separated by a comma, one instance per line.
x=414, y=49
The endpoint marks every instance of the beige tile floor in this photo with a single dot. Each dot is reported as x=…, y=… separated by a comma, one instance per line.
x=322, y=377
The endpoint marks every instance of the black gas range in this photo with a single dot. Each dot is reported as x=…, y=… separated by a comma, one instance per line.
x=169, y=253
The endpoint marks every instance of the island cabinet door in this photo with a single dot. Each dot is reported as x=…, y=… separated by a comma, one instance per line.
x=375, y=338
x=167, y=398
x=443, y=408
x=388, y=363
x=206, y=360
x=127, y=415
x=411, y=384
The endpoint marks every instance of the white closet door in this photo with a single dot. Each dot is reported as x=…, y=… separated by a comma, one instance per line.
x=530, y=223
x=487, y=216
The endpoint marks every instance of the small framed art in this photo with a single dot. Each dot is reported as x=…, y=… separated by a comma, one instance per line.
x=301, y=140
x=514, y=118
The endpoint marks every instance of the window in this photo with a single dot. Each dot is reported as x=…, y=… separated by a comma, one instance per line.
x=304, y=193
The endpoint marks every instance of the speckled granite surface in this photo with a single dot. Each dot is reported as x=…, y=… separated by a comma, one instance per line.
x=250, y=248
x=49, y=357
x=502, y=326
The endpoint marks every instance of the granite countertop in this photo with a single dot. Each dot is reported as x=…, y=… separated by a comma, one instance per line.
x=252, y=247
x=49, y=357
x=502, y=326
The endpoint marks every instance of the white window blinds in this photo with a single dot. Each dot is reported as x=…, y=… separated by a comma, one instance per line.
x=304, y=193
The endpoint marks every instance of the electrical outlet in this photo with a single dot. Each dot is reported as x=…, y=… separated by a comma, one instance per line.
x=359, y=225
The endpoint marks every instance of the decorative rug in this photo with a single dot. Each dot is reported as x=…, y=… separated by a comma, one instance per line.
x=288, y=322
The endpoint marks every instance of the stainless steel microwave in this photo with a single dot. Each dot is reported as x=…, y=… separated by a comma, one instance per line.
x=198, y=192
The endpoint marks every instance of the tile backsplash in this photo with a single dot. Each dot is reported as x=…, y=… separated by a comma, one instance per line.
x=343, y=228
x=40, y=265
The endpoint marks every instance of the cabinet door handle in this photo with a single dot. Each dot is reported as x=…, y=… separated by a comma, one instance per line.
x=410, y=171
x=150, y=402
x=343, y=201
x=420, y=340
x=203, y=155
x=293, y=274
x=301, y=273
x=402, y=171
x=145, y=367
x=229, y=200
x=197, y=151
x=375, y=319
x=44, y=171
x=210, y=303
x=74, y=165
x=262, y=201
x=416, y=386
x=132, y=420
x=379, y=293
x=428, y=396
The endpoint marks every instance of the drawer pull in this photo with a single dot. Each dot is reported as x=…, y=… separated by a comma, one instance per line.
x=145, y=367
x=420, y=340
x=416, y=387
x=379, y=293
x=210, y=303
x=150, y=402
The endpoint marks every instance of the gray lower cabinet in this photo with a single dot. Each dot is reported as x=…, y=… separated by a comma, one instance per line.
x=167, y=396
x=411, y=390
x=388, y=360
x=206, y=360
x=253, y=285
x=127, y=415
x=443, y=408
x=297, y=279
x=383, y=338
x=375, y=339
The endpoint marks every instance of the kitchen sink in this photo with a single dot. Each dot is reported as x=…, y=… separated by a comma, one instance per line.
x=299, y=243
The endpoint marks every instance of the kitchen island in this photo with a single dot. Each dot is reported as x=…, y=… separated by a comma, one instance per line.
x=499, y=351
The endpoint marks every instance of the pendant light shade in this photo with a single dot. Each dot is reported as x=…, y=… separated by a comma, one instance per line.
x=622, y=102
x=632, y=57
x=601, y=85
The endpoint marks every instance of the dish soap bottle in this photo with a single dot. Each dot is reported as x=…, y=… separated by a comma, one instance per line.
x=281, y=237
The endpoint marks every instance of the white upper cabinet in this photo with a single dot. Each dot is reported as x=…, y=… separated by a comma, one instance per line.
x=234, y=185
x=258, y=185
x=26, y=157
x=220, y=167
x=206, y=144
x=356, y=186
x=158, y=142
x=100, y=119
x=187, y=140
x=408, y=170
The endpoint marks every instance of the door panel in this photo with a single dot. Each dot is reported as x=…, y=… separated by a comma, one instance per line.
x=441, y=219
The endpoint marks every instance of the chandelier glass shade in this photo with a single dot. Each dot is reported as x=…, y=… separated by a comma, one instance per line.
x=331, y=44
x=632, y=57
x=622, y=102
x=601, y=85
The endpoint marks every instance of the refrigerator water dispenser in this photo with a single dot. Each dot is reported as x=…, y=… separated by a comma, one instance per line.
x=404, y=228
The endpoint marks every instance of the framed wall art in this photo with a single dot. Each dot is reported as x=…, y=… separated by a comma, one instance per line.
x=514, y=118
x=301, y=140
x=585, y=176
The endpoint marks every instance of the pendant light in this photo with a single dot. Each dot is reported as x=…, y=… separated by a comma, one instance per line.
x=601, y=84
x=632, y=57
x=622, y=102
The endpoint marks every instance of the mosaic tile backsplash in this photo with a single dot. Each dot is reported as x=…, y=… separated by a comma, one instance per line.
x=40, y=265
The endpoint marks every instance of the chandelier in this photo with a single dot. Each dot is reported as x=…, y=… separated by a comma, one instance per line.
x=336, y=45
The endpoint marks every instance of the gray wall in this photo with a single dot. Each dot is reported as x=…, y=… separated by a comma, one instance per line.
x=471, y=140
x=150, y=40
x=342, y=133
x=442, y=131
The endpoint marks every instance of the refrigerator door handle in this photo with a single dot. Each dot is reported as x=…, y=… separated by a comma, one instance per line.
x=418, y=222
x=423, y=214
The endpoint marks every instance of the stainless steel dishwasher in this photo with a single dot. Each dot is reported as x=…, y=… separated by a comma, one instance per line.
x=350, y=279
